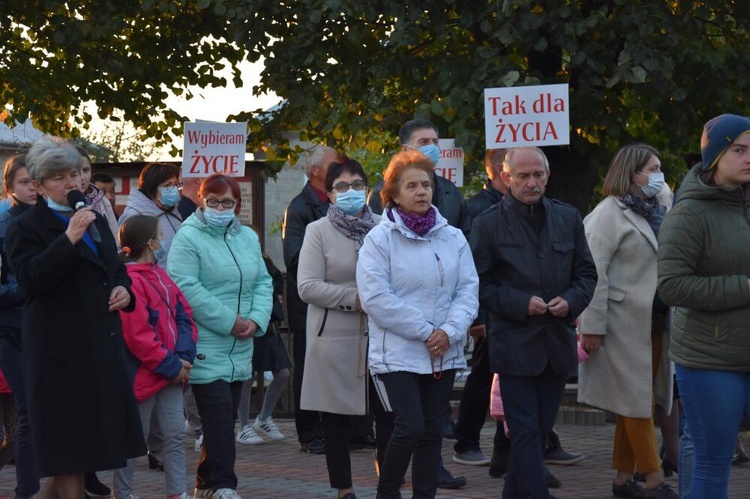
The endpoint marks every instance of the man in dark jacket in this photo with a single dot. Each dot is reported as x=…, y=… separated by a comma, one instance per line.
x=536, y=275
x=423, y=136
x=308, y=206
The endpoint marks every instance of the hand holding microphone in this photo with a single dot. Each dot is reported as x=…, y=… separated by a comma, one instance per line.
x=82, y=220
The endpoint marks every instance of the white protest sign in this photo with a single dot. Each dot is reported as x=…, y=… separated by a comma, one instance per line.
x=451, y=163
x=214, y=148
x=526, y=116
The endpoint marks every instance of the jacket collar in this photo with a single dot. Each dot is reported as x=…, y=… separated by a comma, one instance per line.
x=398, y=224
x=53, y=224
x=494, y=195
x=311, y=197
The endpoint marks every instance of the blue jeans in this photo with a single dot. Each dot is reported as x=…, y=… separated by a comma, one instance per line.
x=11, y=360
x=714, y=403
x=687, y=462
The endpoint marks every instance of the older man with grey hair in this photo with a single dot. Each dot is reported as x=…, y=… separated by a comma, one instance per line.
x=308, y=206
x=536, y=275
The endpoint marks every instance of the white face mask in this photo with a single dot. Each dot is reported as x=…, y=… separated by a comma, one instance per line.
x=220, y=218
x=655, y=184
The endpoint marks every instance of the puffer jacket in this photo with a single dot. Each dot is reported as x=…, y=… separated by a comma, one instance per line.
x=703, y=268
x=159, y=332
x=222, y=274
x=169, y=221
x=409, y=286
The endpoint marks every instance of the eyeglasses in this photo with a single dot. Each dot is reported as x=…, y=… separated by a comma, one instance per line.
x=342, y=187
x=226, y=203
x=171, y=184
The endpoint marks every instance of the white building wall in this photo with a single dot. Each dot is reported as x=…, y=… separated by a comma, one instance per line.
x=279, y=193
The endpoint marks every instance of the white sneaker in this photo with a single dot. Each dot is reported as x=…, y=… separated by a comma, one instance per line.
x=247, y=435
x=199, y=443
x=198, y=493
x=268, y=428
x=226, y=494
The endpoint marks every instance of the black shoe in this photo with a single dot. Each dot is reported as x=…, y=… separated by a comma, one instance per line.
x=550, y=480
x=498, y=464
x=663, y=491
x=631, y=488
x=94, y=487
x=314, y=446
x=448, y=481
x=350, y=495
x=154, y=463
x=449, y=429
x=363, y=442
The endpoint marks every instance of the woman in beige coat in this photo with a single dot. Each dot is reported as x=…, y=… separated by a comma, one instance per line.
x=335, y=380
x=624, y=327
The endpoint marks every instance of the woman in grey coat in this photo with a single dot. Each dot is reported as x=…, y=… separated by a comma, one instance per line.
x=625, y=326
x=335, y=380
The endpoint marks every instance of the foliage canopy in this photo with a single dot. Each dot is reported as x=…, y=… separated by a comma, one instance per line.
x=351, y=73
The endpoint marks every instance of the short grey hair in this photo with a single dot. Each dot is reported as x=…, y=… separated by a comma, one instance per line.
x=316, y=156
x=511, y=153
x=50, y=155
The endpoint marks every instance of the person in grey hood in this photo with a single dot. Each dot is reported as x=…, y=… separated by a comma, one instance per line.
x=158, y=195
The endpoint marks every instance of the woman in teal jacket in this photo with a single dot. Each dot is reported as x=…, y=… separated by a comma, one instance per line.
x=217, y=263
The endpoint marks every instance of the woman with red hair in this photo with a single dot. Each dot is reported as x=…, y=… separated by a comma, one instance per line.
x=218, y=265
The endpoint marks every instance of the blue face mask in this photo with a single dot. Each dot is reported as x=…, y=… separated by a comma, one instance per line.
x=58, y=207
x=431, y=151
x=219, y=218
x=351, y=202
x=170, y=196
x=160, y=252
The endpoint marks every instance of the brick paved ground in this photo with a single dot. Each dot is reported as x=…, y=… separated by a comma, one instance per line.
x=278, y=469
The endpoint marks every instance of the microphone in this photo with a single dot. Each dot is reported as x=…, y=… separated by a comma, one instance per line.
x=77, y=200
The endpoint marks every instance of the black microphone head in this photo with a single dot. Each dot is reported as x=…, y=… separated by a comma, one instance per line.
x=76, y=199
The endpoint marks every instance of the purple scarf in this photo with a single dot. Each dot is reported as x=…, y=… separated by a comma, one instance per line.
x=418, y=224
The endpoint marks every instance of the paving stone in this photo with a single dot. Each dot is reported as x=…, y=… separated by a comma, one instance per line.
x=278, y=469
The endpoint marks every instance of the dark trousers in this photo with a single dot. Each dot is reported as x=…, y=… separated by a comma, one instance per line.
x=475, y=402
x=217, y=405
x=337, y=429
x=11, y=362
x=418, y=402
x=307, y=422
x=383, y=425
x=531, y=404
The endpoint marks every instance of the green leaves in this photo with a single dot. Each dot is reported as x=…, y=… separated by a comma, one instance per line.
x=351, y=73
